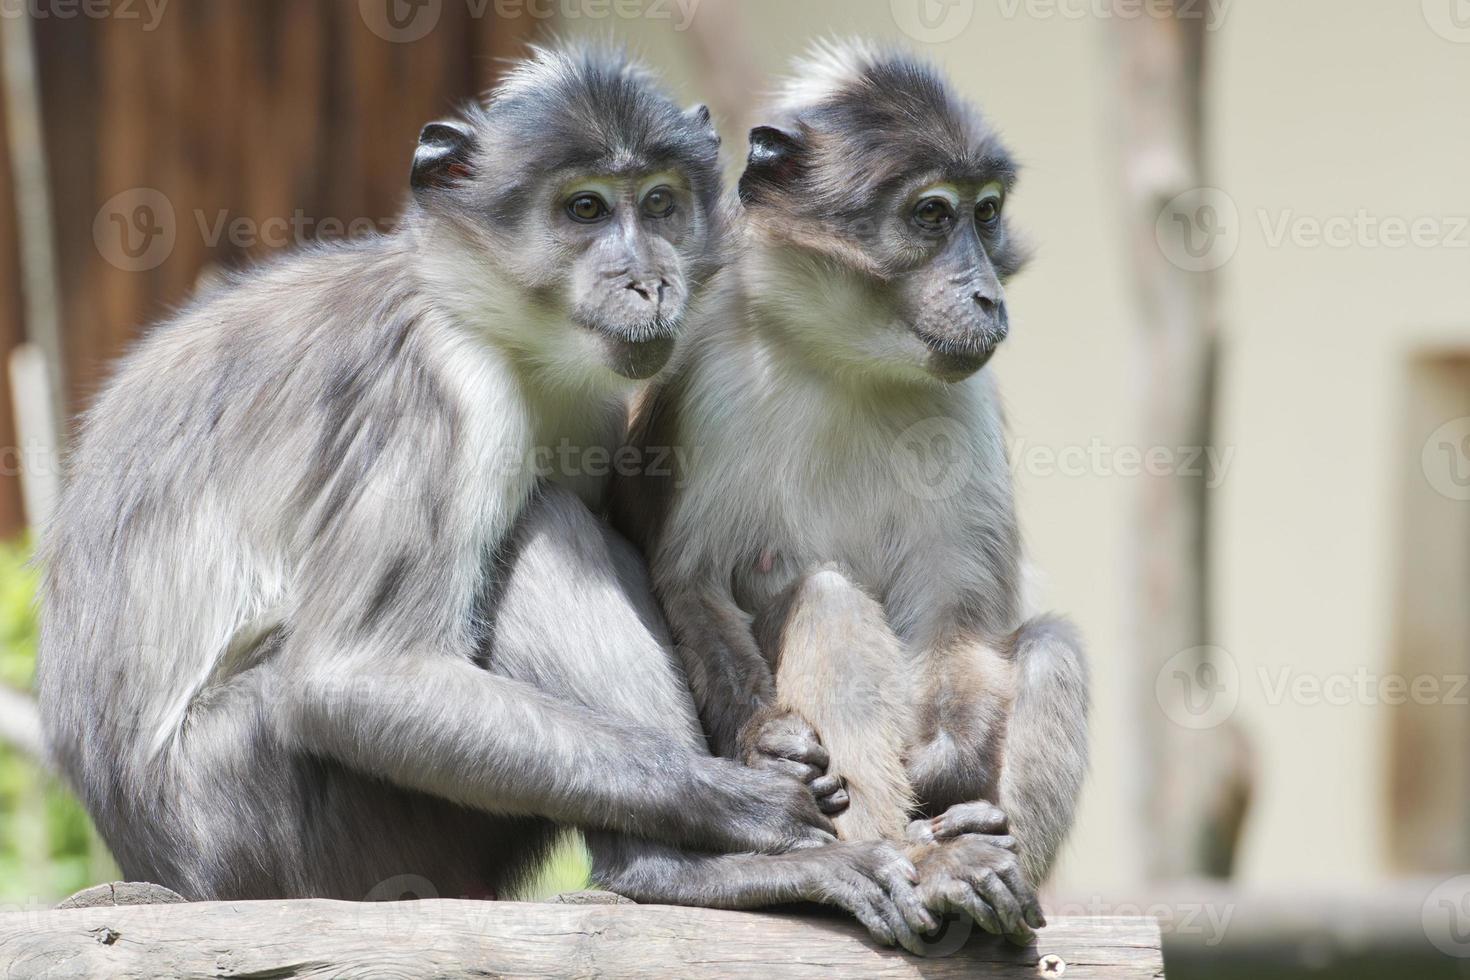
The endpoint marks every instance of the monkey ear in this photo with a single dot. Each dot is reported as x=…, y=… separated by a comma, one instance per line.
x=699, y=116
x=774, y=163
x=443, y=156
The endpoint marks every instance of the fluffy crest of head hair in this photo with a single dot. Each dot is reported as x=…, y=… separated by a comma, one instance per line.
x=829, y=67
x=560, y=64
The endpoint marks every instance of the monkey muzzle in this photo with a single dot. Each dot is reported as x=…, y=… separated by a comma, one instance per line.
x=637, y=322
x=959, y=349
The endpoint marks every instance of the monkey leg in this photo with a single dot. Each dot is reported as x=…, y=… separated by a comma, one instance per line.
x=840, y=667
x=577, y=618
x=1005, y=724
x=1046, y=741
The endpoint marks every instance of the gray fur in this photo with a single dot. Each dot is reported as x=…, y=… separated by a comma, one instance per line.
x=838, y=346
x=315, y=621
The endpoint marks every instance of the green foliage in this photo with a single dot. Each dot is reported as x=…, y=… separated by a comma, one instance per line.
x=47, y=846
x=567, y=869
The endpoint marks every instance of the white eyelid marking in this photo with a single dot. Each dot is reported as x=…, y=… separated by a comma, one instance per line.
x=654, y=181
x=602, y=188
x=948, y=192
x=994, y=190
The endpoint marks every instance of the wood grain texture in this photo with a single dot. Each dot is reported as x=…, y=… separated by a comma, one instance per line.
x=264, y=125
x=444, y=938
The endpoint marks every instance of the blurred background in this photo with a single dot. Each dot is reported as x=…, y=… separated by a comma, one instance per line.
x=1238, y=381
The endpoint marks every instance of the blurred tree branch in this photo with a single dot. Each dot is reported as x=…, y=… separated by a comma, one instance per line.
x=1196, y=780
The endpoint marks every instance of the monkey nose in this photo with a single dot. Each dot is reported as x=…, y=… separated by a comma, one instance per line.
x=993, y=308
x=649, y=290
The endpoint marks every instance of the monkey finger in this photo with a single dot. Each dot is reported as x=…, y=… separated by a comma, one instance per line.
x=785, y=766
x=835, y=803
x=828, y=784
x=971, y=818
x=1025, y=894
x=795, y=748
x=900, y=883
x=866, y=912
x=963, y=899
x=989, y=885
x=903, y=933
x=1022, y=935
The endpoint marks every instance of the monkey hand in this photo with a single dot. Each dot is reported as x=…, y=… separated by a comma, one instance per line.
x=782, y=741
x=980, y=875
x=764, y=810
x=978, y=817
x=873, y=881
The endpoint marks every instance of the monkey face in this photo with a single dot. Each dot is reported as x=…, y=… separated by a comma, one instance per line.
x=581, y=214
x=951, y=297
x=626, y=281
x=877, y=210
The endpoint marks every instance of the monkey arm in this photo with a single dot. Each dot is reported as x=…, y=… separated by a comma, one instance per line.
x=379, y=672
x=728, y=675
x=873, y=880
x=443, y=726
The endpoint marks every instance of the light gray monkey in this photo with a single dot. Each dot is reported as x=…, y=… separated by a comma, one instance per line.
x=325, y=604
x=838, y=553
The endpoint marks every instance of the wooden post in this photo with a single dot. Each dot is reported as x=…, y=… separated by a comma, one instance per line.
x=1196, y=783
x=440, y=938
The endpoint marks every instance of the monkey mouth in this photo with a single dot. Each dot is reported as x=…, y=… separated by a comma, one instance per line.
x=952, y=360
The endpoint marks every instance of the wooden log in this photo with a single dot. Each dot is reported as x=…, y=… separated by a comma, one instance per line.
x=444, y=938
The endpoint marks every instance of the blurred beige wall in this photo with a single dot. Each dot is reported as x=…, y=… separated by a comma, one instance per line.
x=1318, y=108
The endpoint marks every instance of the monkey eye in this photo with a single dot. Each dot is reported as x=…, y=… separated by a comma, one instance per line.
x=933, y=214
x=587, y=208
x=987, y=212
x=659, y=203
